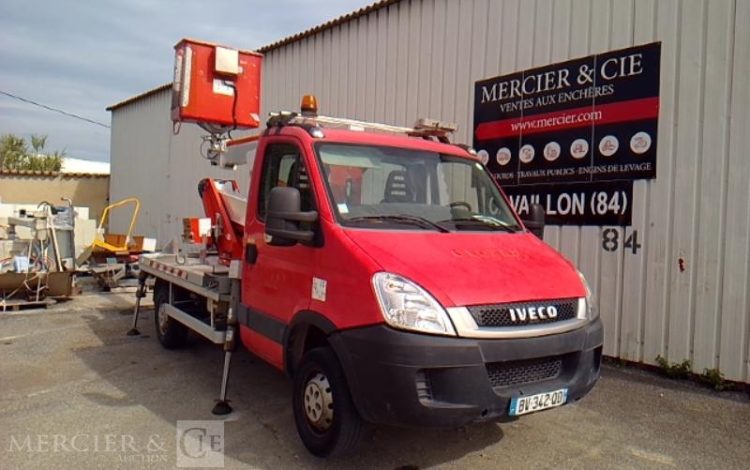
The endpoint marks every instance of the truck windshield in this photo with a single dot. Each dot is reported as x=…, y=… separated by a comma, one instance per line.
x=395, y=188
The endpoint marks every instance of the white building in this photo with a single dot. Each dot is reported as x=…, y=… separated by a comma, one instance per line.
x=76, y=165
x=682, y=295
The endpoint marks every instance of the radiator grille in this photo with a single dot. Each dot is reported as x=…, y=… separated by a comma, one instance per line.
x=503, y=374
x=503, y=314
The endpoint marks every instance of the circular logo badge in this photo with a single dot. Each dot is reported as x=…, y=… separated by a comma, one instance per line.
x=640, y=143
x=484, y=156
x=608, y=145
x=527, y=153
x=551, y=151
x=579, y=148
x=503, y=156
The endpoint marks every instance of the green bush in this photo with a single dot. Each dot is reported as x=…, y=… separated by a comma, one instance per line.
x=714, y=379
x=674, y=370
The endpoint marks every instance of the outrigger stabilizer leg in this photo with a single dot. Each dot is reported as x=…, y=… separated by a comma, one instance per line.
x=222, y=404
x=139, y=294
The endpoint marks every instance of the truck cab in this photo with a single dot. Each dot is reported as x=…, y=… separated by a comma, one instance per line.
x=386, y=273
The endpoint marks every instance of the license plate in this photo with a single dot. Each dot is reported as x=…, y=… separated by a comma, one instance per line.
x=540, y=401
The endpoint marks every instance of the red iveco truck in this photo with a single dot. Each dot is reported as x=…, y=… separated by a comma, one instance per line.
x=380, y=267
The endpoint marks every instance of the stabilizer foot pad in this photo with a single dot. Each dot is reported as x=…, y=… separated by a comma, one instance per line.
x=133, y=332
x=222, y=408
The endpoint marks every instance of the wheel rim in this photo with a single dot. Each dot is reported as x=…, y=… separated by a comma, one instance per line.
x=163, y=319
x=318, y=402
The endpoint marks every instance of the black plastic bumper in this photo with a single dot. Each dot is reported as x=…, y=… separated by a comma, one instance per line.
x=410, y=379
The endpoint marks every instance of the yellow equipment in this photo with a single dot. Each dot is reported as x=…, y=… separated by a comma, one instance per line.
x=100, y=240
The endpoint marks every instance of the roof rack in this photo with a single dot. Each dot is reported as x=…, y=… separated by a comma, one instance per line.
x=425, y=128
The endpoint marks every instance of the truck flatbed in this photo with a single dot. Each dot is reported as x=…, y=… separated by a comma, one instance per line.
x=208, y=279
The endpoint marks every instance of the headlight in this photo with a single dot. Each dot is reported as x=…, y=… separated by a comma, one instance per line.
x=592, y=311
x=406, y=305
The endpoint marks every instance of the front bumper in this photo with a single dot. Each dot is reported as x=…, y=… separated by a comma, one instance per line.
x=409, y=379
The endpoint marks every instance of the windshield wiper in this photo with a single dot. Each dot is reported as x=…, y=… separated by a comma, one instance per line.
x=485, y=222
x=406, y=218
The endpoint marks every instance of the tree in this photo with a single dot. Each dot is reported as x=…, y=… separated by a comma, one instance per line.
x=38, y=142
x=12, y=150
x=15, y=154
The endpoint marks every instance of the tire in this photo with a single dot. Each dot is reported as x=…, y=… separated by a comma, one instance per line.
x=320, y=385
x=171, y=333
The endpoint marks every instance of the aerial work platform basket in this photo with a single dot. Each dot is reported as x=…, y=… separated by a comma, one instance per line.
x=215, y=86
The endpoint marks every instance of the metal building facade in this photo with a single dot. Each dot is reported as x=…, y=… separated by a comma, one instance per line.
x=684, y=295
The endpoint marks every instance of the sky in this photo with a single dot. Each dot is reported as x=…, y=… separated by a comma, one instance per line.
x=81, y=56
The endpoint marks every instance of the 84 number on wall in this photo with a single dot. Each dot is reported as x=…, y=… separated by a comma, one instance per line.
x=611, y=240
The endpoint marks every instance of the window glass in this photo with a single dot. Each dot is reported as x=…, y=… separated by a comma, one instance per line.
x=388, y=187
x=283, y=166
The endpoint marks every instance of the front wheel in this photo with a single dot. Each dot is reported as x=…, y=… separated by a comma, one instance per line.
x=326, y=419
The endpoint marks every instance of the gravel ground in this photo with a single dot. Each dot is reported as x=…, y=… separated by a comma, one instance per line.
x=77, y=393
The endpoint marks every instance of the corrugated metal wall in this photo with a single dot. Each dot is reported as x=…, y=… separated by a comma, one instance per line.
x=684, y=295
x=138, y=165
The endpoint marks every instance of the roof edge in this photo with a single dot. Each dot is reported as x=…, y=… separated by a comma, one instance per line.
x=364, y=11
x=145, y=94
x=52, y=174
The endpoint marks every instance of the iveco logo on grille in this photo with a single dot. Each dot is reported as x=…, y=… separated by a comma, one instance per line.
x=524, y=313
x=532, y=313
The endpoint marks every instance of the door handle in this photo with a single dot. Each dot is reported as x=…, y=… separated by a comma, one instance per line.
x=251, y=253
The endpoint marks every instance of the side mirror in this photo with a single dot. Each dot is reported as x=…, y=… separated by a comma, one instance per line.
x=284, y=216
x=535, y=223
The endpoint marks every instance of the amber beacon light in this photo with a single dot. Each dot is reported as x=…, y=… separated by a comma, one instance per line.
x=309, y=106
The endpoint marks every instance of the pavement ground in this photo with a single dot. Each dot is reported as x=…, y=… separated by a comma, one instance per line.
x=76, y=392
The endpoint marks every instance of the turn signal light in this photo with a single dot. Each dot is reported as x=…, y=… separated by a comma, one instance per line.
x=309, y=105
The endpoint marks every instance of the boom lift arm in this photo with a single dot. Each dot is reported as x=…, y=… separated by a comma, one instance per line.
x=217, y=88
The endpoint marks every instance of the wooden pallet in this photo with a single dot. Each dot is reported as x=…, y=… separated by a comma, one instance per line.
x=16, y=305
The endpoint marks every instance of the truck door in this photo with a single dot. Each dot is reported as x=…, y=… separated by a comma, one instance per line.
x=278, y=283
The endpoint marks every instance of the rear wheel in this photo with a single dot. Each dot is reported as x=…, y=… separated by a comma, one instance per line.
x=326, y=419
x=171, y=333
